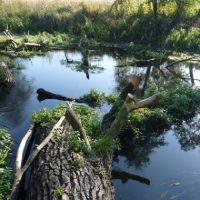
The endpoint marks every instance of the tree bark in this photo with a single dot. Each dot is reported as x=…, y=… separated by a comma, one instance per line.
x=54, y=171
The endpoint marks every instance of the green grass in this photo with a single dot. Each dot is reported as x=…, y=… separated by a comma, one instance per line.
x=6, y=175
x=125, y=23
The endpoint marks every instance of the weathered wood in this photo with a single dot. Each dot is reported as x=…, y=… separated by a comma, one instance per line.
x=54, y=170
x=28, y=46
x=131, y=87
x=6, y=78
x=32, y=157
x=75, y=123
x=10, y=54
x=128, y=106
x=44, y=94
x=23, y=143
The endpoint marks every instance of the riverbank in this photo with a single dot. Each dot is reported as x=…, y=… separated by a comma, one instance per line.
x=175, y=26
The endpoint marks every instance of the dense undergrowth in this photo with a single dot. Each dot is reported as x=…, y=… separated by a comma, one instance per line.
x=6, y=175
x=176, y=25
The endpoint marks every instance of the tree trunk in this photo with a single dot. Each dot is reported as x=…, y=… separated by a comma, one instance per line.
x=6, y=79
x=155, y=7
x=55, y=175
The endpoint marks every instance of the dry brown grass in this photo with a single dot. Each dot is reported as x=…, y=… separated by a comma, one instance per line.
x=50, y=3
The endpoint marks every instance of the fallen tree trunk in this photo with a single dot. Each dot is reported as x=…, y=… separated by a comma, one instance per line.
x=60, y=173
x=57, y=175
x=10, y=54
x=6, y=78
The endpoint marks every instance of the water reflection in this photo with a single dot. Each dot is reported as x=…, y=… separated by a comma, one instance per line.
x=15, y=100
x=161, y=76
x=188, y=133
x=137, y=150
x=153, y=157
x=84, y=65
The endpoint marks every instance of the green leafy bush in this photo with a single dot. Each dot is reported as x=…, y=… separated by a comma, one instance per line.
x=148, y=120
x=95, y=97
x=6, y=175
x=6, y=179
x=180, y=102
x=5, y=142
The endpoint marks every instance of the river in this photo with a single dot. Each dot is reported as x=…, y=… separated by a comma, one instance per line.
x=170, y=160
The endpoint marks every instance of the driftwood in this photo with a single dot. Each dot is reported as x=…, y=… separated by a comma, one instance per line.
x=10, y=46
x=10, y=54
x=23, y=143
x=28, y=46
x=131, y=87
x=44, y=94
x=76, y=125
x=129, y=106
x=54, y=173
x=6, y=78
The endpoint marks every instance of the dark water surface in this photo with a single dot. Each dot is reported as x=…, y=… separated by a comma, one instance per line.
x=171, y=160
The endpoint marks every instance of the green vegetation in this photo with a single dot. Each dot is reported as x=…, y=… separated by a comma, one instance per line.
x=177, y=103
x=180, y=102
x=145, y=120
x=5, y=142
x=75, y=143
x=102, y=171
x=58, y=192
x=97, y=98
x=77, y=164
x=174, y=24
x=27, y=54
x=6, y=175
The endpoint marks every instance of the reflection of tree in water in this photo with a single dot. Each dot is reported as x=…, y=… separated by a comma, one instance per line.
x=188, y=133
x=138, y=150
x=14, y=100
x=82, y=66
x=161, y=76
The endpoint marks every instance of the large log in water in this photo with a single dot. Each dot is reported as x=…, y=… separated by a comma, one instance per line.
x=6, y=78
x=56, y=176
x=60, y=173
